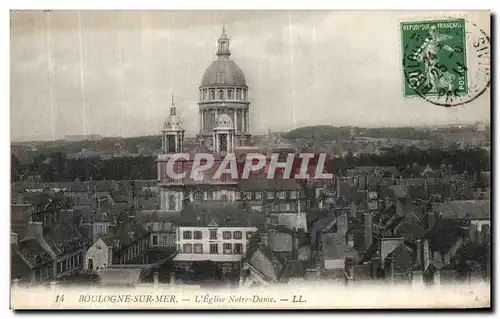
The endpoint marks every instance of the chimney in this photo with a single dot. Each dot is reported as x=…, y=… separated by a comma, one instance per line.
x=350, y=240
x=342, y=224
x=156, y=279
x=353, y=210
x=34, y=229
x=419, y=253
x=368, y=230
x=387, y=202
x=431, y=220
x=172, y=278
x=391, y=269
x=437, y=278
x=14, y=238
x=399, y=208
x=425, y=254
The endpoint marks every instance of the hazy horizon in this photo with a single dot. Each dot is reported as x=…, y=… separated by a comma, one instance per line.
x=112, y=73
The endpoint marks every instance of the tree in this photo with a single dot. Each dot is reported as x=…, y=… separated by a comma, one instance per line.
x=15, y=167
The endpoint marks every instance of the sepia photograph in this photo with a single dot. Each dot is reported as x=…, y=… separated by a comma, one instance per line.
x=169, y=159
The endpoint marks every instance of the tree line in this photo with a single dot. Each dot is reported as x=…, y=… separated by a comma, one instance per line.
x=55, y=167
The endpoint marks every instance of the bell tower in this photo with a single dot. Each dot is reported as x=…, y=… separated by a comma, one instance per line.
x=172, y=132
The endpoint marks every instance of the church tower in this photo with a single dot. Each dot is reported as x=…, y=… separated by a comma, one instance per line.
x=172, y=141
x=224, y=90
x=172, y=133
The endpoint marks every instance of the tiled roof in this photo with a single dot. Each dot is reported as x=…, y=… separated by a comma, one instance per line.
x=262, y=183
x=468, y=209
x=333, y=246
x=20, y=216
x=445, y=234
x=32, y=252
x=123, y=235
x=145, y=216
x=223, y=213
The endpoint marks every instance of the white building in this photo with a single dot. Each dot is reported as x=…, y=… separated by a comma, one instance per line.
x=98, y=256
x=217, y=232
x=214, y=239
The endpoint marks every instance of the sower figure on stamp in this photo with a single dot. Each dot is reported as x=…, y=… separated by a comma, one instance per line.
x=436, y=74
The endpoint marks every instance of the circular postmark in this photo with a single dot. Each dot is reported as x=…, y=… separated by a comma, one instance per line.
x=446, y=62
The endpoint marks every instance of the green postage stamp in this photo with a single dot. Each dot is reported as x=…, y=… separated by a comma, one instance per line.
x=436, y=62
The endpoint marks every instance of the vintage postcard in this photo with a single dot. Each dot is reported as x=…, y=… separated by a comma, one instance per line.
x=250, y=159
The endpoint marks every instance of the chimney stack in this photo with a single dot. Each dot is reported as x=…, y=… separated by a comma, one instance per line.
x=431, y=220
x=425, y=254
x=172, y=278
x=14, y=238
x=156, y=279
x=391, y=268
x=368, y=230
x=419, y=253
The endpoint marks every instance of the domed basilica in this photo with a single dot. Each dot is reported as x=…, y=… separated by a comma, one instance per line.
x=223, y=107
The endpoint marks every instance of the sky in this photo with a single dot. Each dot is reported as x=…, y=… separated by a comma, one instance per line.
x=113, y=73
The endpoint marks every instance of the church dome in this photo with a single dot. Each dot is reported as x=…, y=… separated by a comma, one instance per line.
x=172, y=122
x=223, y=72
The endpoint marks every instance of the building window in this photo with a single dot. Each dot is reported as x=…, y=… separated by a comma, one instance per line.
x=282, y=195
x=186, y=234
x=155, y=240
x=249, y=234
x=238, y=249
x=197, y=234
x=212, y=94
x=258, y=195
x=230, y=94
x=270, y=195
x=249, y=195
x=171, y=202
x=223, y=198
x=198, y=196
x=210, y=195
x=164, y=240
x=198, y=248
x=293, y=194
x=237, y=235
x=282, y=206
x=227, y=249
x=187, y=248
x=214, y=248
x=276, y=206
x=221, y=94
x=223, y=177
x=238, y=94
x=226, y=235
x=213, y=234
